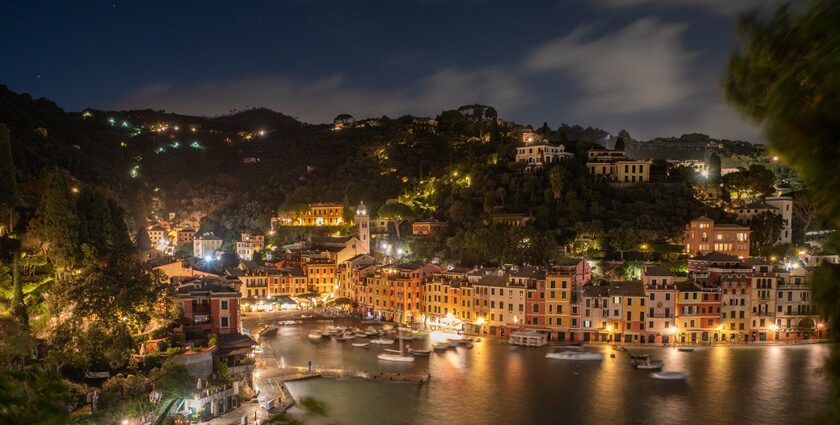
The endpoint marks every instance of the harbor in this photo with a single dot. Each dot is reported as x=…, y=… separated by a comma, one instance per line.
x=576, y=391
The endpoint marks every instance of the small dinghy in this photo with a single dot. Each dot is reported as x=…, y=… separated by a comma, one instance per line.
x=382, y=341
x=669, y=376
x=650, y=364
x=315, y=336
x=361, y=344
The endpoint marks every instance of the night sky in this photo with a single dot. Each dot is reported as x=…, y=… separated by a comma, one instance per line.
x=650, y=66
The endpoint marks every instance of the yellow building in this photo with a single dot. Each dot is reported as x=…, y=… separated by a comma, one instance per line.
x=558, y=302
x=445, y=298
x=615, y=166
x=702, y=236
x=321, y=276
x=326, y=214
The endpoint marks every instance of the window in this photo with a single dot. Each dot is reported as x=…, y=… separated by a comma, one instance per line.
x=224, y=305
x=224, y=322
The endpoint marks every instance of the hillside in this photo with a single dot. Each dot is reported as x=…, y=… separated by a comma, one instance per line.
x=234, y=171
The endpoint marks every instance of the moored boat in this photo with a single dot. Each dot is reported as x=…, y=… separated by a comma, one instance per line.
x=670, y=376
x=315, y=336
x=361, y=344
x=649, y=364
x=419, y=352
x=573, y=353
x=382, y=341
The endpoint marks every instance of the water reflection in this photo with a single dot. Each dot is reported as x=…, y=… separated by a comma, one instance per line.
x=498, y=383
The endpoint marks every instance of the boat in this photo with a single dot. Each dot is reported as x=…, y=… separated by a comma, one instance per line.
x=670, y=376
x=452, y=344
x=419, y=352
x=573, y=353
x=346, y=337
x=396, y=355
x=361, y=344
x=360, y=334
x=382, y=341
x=405, y=337
x=685, y=349
x=388, y=327
x=650, y=364
x=315, y=336
x=638, y=356
x=441, y=345
x=371, y=332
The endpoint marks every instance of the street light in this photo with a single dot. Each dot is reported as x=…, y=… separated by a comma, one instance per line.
x=674, y=333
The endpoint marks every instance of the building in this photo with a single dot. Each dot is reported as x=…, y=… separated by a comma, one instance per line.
x=735, y=304
x=209, y=306
x=511, y=219
x=447, y=301
x=184, y=236
x=206, y=245
x=596, y=322
x=763, y=285
x=703, y=236
x=540, y=154
x=156, y=234
x=363, y=228
x=248, y=244
x=779, y=205
x=698, y=313
x=394, y=292
x=322, y=214
x=614, y=166
x=498, y=304
x=427, y=227
x=628, y=299
x=796, y=314
x=321, y=277
x=659, y=284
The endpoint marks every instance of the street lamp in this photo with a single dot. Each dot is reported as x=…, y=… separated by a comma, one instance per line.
x=674, y=333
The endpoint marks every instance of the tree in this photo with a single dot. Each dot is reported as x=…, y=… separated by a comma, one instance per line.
x=766, y=228
x=8, y=182
x=623, y=239
x=805, y=211
x=141, y=239
x=714, y=168
x=784, y=76
x=619, y=144
x=56, y=223
x=395, y=212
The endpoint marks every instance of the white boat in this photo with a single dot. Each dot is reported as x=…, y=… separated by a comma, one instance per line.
x=419, y=352
x=650, y=364
x=315, y=336
x=346, y=337
x=396, y=355
x=671, y=376
x=361, y=344
x=371, y=332
x=573, y=353
x=382, y=341
x=387, y=327
x=685, y=349
x=441, y=345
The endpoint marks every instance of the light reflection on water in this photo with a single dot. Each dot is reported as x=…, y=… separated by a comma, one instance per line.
x=499, y=383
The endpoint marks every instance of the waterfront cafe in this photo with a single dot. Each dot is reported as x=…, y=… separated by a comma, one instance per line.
x=448, y=323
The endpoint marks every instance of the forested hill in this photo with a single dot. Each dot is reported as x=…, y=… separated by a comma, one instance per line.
x=242, y=167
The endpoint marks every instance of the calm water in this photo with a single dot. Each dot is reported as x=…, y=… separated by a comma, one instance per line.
x=502, y=384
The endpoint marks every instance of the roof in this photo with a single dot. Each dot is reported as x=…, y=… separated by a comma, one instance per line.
x=493, y=280
x=627, y=289
x=716, y=256
x=232, y=344
x=702, y=218
x=658, y=271
x=413, y=265
x=598, y=291
x=687, y=287
x=530, y=272
x=758, y=205
x=202, y=285
x=757, y=261
x=729, y=225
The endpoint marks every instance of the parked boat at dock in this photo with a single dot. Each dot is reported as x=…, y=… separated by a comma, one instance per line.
x=573, y=353
x=669, y=376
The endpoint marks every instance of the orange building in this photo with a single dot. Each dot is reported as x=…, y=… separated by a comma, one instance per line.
x=702, y=236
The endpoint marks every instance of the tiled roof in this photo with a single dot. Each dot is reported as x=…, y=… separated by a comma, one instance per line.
x=493, y=280
x=627, y=289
